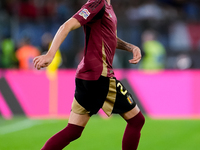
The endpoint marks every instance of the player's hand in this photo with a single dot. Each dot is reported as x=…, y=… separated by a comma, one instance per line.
x=136, y=56
x=42, y=61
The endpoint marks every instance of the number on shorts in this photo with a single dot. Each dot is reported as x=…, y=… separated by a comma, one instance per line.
x=121, y=88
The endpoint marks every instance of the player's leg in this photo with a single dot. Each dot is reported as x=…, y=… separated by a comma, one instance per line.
x=130, y=114
x=120, y=101
x=70, y=133
x=89, y=98
x=78, y=119
x=135, y=121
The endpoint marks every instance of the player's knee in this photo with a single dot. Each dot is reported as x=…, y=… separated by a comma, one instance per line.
x=72, y=132
x=75, y=136
x=141, y=120
x=137, y=121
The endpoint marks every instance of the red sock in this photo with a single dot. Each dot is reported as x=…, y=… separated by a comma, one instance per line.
x=132, y=132
x=63, y=138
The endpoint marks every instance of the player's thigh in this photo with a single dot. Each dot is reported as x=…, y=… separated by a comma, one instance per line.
x=78, y=119
x=130, y=114
x=124, y=103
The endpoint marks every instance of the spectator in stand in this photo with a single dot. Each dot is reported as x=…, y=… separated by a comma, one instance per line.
x=8, y=59
x=154, y=52
x=26, y=53
x=27, y=10
x=63, y=10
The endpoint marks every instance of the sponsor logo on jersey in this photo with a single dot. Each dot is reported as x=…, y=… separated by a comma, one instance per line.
x=84, y=13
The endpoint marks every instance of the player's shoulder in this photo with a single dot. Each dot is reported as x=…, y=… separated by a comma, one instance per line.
x=96, y=1
x=93, y=4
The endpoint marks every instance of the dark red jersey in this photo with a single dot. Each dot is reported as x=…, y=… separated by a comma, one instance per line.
x=100, y=25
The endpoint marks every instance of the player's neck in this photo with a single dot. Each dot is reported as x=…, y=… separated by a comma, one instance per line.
x=108, y=1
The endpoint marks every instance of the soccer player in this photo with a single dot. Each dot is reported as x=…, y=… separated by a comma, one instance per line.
x=96, y=85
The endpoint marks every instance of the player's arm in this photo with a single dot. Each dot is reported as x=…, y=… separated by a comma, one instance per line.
x=130, y=48
x=44, y=60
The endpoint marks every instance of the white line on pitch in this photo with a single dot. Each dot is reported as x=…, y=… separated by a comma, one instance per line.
x=21, y=125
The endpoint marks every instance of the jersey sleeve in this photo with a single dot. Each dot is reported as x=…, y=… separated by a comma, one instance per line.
x=89, y=11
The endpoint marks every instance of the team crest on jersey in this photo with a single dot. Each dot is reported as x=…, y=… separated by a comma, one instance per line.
x=130, y=100
x=84, y=13
x=110, y=16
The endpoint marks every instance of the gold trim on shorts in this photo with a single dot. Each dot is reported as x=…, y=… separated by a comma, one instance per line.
x=107, y=106
x=110, y=99
x=78, y=109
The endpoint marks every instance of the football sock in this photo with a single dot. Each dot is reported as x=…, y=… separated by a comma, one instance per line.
x=132, y=132
x=63, y=138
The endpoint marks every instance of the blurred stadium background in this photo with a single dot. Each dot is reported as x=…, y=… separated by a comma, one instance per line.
x=165, y=83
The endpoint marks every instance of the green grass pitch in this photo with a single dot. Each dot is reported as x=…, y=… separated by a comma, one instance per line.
x=21, y=133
